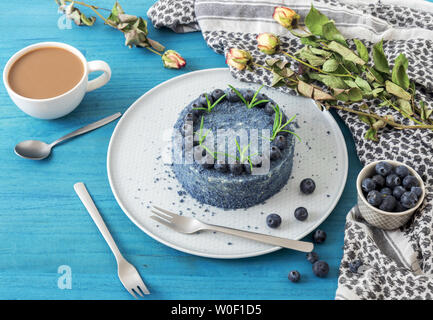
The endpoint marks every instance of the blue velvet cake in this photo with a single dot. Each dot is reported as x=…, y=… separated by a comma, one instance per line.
x=233, y=148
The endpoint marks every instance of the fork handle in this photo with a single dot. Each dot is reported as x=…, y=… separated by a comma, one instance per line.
x=86, y=199
x=281, y=242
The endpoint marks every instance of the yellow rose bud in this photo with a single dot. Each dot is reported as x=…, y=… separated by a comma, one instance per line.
x=286, y=17
x=173, y=60
x=267, y=42
x=238, y=58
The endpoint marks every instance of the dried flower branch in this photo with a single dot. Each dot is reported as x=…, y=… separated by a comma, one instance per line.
x=134, y=29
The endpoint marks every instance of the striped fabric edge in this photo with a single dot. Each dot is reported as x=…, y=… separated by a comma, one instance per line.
x=364, y=27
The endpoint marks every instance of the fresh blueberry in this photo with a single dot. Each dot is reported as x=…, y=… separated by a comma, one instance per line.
x=383, y=168
x=319, y=236
x=247, y=167
x=189, y=117
x=187, y=129
x=354, y=266
x=307, y=186
x=301, y=213
x=294, y=276
x=221, y=165
x=374, y=198
x=280, y=141
x=236, y=168
x=320, y=268
x=409, y=199
x=232, y=96
x=261, y=97
x=203, y=101
x=256, y=161
x=368, y=185
x=410, y=181
x=386, y=191
x=275, y=153
x=269, y=108
x=398, y=192
x=399, y=207
x=196, y=111
x=312, y=257
x=248, y=95
x=388, y=204
x=216, y=94
x=393, y=180
x=401, y=171
x=379, y=180
x=273, y=220
x=417, y=191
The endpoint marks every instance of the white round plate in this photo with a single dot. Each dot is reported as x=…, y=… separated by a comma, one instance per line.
x=140, y=176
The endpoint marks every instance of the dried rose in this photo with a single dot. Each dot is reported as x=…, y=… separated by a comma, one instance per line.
x=173, y=60
x=267, y=42
x=238, y=59
x=286, y=17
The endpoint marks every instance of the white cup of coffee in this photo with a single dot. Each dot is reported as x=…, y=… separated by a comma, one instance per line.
x=48, y=80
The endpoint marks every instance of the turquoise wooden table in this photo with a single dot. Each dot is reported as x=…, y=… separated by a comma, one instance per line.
x=44, y=226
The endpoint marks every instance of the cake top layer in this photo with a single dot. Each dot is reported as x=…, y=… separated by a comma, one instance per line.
x=233, y=131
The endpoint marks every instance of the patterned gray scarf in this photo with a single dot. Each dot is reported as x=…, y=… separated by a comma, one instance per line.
x=396, y=264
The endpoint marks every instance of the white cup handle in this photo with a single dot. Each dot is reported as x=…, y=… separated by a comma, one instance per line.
x=98, y=65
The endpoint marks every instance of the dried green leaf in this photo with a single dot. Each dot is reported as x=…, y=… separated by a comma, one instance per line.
x=375, y=92
x=376, y=75
x=310, y=41
x=305, y=89
x=156, y=45
x=399, y=75
x=346, y=53
x=115, y=12
x=396, y=90
x=379, y=58
x=315, y=21
x=329, y=80
x=361, y=49
x=321, y=95
x=354, y=94
x=321, y=52
x=330, y=33
x=306, y=54
x=276, y=80
x=405, y=107
x=371, y=134
x=330, y=65
x=350, y=83
x=362, y=84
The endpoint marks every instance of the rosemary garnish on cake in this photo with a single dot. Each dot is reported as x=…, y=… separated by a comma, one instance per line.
x=278, y=126
x=210, y=105
x=254, y=102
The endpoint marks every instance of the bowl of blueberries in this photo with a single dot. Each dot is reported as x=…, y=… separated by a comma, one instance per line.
x=389, y=192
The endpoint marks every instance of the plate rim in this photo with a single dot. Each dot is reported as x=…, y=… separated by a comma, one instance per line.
x=199, y=253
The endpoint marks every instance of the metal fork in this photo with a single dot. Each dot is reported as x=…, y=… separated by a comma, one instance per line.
x=127, y=273
x=191, y=225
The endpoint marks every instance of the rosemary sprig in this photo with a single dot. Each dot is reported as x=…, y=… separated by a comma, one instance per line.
x=279, y=126
x=202, y=138
x=210, y=106
x=253, y=102
x=242, y=151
